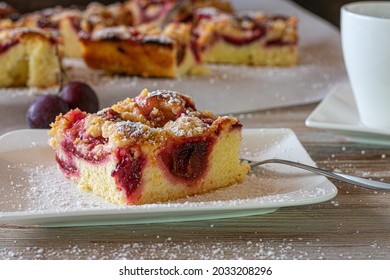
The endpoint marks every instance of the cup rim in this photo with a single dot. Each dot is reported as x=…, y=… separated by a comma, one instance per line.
x=351, y=9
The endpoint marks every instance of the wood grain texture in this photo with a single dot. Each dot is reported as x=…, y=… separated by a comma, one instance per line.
x=354, y=225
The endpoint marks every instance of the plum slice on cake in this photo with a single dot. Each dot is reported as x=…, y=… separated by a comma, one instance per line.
x=152, y=148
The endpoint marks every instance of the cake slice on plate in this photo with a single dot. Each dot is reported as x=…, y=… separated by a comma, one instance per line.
x=152, y=148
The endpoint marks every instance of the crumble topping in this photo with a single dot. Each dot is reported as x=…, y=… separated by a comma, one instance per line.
x=14, y=33
x=130, y=131
x=146, y=33
x=170, y=97
x=178, y=31
x=161, y=39
x=187, y=126
x=117, y=32
x=151, y=117
x=211, y=23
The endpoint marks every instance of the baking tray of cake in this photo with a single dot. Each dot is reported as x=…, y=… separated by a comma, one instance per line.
x=34, y=192
x=227, y=89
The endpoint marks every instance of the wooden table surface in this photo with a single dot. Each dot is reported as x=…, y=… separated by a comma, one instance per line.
x=353, y=225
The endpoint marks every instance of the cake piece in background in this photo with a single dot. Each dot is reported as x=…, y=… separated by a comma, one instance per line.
x=145, y=50
x=146, y=11
x=68, y=28
x=65, y=23
x=74, y=23
x=252, y=38
x=152, y=148
x=28, y=57
x=43, y=19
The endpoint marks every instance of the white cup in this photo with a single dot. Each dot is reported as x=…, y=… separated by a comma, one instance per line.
x=365, y=38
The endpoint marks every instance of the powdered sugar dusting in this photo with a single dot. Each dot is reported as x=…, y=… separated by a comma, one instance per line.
x=119, y=32
x=161, y=39
x=168, y=248
x=172, y=97
x=37, y=188
x=133, y=130
x=143, y=244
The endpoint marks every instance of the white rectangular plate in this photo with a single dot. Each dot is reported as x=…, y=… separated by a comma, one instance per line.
x=34, y=192
x=228, y=89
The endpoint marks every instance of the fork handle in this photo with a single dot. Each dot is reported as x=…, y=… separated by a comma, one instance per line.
x=358, y=181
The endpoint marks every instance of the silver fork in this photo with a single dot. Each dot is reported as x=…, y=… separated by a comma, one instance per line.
x=358, y=181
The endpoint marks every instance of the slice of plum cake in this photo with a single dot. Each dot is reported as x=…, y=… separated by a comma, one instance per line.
x=152, y=148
